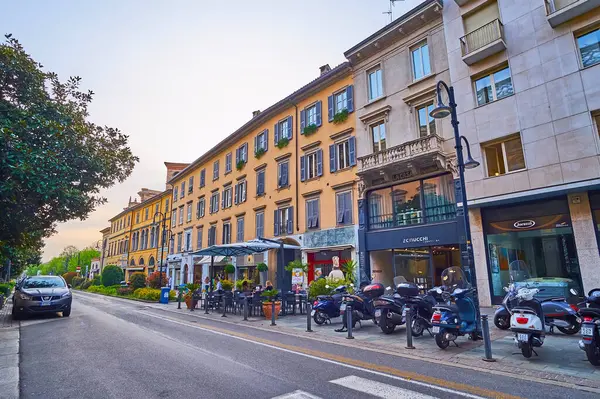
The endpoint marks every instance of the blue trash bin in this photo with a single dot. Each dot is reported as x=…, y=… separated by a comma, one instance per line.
x=164, y=295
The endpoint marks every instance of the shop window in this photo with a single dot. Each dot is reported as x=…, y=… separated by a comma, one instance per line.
x=494, y=86
x=504, y=156
x=589, y=48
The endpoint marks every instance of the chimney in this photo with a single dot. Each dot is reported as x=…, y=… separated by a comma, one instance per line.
x=255, y=113
x=324, y=69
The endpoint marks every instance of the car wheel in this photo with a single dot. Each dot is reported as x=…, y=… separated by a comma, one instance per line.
x=16, y=315
x=66, y=313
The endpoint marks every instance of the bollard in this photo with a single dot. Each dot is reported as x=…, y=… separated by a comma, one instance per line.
x=179, y=300
x=206, y=303
x=308, y=316
x=223, y=315
x=409, y=344
x=273, y=312
x=245, y=308
x=487, y=343
x=349, y=321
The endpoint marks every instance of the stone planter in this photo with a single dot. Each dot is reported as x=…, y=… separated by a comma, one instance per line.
x=267, y=309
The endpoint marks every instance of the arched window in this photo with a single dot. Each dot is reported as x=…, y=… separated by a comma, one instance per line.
x=132, y=263
x=141, y=263
x=151, y=261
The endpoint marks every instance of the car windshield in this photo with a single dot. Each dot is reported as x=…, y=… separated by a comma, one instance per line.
x=43, y=282
x=454, y=277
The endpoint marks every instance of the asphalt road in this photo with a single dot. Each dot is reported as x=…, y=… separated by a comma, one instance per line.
x=112, y=348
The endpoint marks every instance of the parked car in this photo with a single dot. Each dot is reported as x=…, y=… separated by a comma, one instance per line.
x=42, y=294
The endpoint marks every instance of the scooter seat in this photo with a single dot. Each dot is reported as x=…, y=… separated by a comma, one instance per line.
x=590, y=312
x=557, y=299
x=448, y=308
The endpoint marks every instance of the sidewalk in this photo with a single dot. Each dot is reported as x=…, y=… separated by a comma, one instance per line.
x=560, y=360
x=9, y=354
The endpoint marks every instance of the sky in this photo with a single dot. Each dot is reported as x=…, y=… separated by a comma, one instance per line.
x=179, y=76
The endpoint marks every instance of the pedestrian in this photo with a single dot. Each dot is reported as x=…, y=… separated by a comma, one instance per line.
x=245, y=286
x=206, y=284
x=219, y=285
x=268, y=285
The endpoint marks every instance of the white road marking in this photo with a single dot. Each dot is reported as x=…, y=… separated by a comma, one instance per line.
x=378, y=389
x=424, y=384
x=297, y=395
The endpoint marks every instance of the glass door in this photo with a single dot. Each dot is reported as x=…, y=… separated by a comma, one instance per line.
x=414, y=264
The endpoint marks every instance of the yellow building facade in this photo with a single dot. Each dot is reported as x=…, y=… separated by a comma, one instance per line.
x=289, y=173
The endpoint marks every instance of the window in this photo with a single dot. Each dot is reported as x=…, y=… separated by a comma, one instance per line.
x=175, y=194
x=129, y=217
x=260, y=182
x=179, y=238
x=174, y=218
x=202, y=178
x=340, y=101
x=200, y=205
x=494, y=86
x=312, y=213
x=189, y=211
x=172, y=246
x=214, y=202
x=226, y=233
x=589, y=48
x=375, y=84
x=239, y=232
x=188, y=240
x=146, y=214
x=156, y=209
x=260, y=224
x=282, y=174
x=191, y=185
x=240, y=192
x=283, y=129
x=215, y=170
x=311, y=165
x=137, y=218
x=212, y=235
x=284, y=221
x=166, y=208
x=261, y=141
x=226, y=200
x=199, y=233
x=344, y=208
x=228, y=161
x=181, y=215
x=420, y=60
x=342, y=154
x=426, y=122
x=182, y=192
x=504, y=156
x=241, y=154
x=378, y=135
x=311, y=116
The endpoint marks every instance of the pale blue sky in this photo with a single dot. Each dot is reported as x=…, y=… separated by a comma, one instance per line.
x=179, y=76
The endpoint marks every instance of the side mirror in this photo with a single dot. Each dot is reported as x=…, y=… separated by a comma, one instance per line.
x=574, y=291
x=69, y=285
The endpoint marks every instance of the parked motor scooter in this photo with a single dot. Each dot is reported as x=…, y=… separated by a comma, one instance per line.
x=362, y=304
x=421, y=307
x=389, y=308
x=451, y=320
x=327, y=307
x=527, y=320
x=590, y=329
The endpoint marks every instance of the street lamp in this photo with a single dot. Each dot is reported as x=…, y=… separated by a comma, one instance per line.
x=439, y=112
x=162, y=221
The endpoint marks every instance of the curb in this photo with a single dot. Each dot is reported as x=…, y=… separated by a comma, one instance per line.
x=9, y=359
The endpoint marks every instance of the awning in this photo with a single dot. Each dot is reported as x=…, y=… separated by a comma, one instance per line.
x=135, y=268
x=242, y=248
x=206, y=260
x=333, y=248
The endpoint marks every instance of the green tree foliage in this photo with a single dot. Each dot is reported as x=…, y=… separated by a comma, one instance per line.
x=137, y=280
x=112, y=275
x=55, y=161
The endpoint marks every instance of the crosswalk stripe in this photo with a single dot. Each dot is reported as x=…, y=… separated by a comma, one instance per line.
x=378, y=389
x=297, y=395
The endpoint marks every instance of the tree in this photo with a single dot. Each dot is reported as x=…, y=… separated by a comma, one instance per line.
x=112, y=275
x=53, y=160
x=137, y=280
x=153, y=279
x=68, y=276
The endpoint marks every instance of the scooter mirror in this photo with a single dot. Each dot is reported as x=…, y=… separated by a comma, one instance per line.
x=327, y=286
x=505, y=289
x=573, y=291
x=438, y=290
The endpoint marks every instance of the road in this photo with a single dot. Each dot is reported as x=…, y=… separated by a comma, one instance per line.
x=114, y=348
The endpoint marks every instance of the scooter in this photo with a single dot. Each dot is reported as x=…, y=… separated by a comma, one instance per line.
x=557, y=313
x=422, y=311
x=389, y=312
x=527, y=321
x=590, y=329
x=327, y=307
x=452, y=320
x=361, y=303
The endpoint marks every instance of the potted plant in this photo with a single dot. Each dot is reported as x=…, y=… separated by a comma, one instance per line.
x=268, y=304
x=349, y=268
x=188, y=297
x=283, y=142
x=230, y=270
x=259, y=153
x=340, y=117
x=262, y=270
x=240, y=164
x=227, y=285
x=310, y=129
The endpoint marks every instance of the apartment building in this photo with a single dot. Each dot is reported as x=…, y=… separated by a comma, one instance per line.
x=527, y=78
x=104, y=251
x=289, y=173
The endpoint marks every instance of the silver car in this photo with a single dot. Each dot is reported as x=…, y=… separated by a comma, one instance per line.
x=42, y=294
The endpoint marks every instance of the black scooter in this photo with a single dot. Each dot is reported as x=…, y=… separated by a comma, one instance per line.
x=421, y=307
x=361, y=303
x=590, y=329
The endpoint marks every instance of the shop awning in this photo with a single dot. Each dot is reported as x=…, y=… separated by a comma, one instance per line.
x=206, y=260
x=242, y=248
x=334, y=248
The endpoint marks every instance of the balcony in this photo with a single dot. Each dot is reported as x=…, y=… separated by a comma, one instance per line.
x=461, y=2
x=560, y=11
x=483, y=42
x=423, y=150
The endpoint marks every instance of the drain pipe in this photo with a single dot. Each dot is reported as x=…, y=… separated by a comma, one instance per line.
x=296, y=161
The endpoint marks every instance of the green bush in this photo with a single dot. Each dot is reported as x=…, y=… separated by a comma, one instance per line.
x=124, y=291
x=227, y=285
x=77, y=281
x=149, y=294
x=69, y=277
x=5, y=289
x=229, y=269
x=239, y=283
x=86, y=284
x=100, y=289
x=112, y=275
x=324, y=286
x=97, y=280
x=137, y=280
x=262, y=267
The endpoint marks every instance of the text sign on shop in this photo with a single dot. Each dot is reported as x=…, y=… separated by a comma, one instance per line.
x=418, y=240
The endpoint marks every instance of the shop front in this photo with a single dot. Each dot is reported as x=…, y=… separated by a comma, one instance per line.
x=595, y=205
x=538, y=238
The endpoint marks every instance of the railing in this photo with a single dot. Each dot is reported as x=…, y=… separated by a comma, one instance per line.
x=408, y=217
x=409, y=150
x=481, y=37
x=553, y=6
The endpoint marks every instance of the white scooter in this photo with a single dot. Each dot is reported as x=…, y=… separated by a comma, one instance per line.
x=527, y=321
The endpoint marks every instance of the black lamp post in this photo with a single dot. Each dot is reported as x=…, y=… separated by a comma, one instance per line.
x=442, y=111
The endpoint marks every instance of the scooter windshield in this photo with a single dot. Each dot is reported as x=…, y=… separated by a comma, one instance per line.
x=518, y=271
x=454, y=277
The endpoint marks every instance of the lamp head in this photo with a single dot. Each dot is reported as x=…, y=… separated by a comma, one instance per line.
x=441, y=111
x=470, y=163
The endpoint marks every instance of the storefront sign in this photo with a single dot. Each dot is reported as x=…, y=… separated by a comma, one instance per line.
x=524, y=224
x=411, y=240
x=413, y=237
x=537, y=223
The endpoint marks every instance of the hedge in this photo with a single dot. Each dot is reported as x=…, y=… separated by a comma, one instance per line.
x=112, y=275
